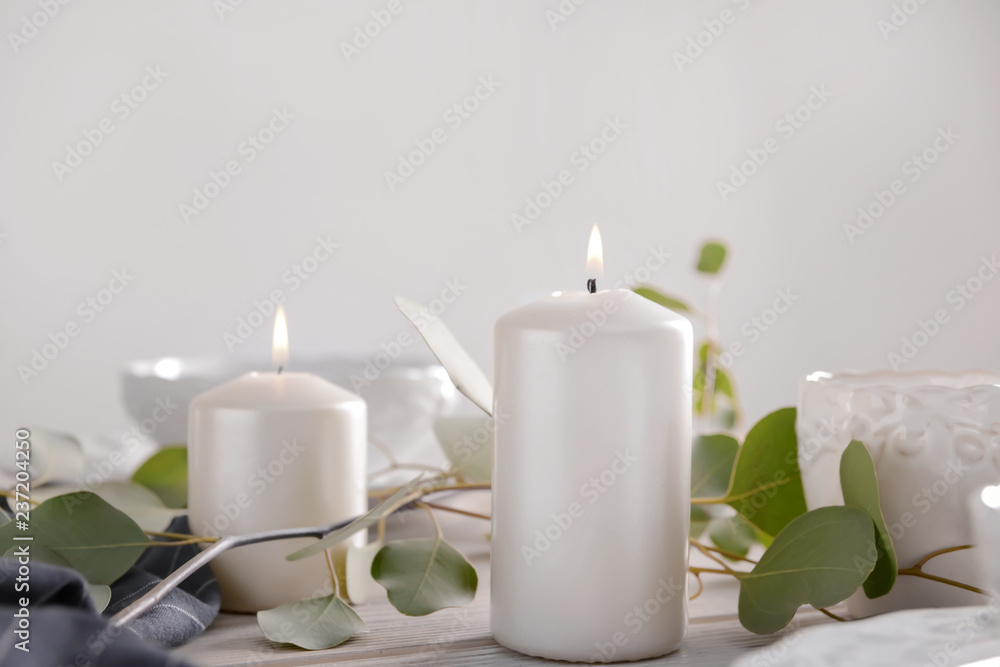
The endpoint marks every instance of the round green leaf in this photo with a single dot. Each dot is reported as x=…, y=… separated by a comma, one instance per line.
x=462, y=369
x=732, y=534
x=166, y=474
x=712, y=257
x=424, y=575
x=101, y=595
x=712, y=458
x=94, y=538
x=860, y=486
x=818, y=559
x=314, y=624
x=139, y=503
x=670, y=302
x=767, y=485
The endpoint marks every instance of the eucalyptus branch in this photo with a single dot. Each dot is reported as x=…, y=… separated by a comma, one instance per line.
x=382, y=494
x=437, y=526
x=917, y=570
x=225, y=543
x=392, y=467
x=701, y=547
x=723, y=552
x=701, y=586
x=829, y=613
x=333, y=574
x=456, y=510
x=708, y=570
x=179, y=536
x=11, y=494
x=940, y=552
x=179, y=543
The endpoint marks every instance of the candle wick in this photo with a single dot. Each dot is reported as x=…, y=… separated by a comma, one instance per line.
x=592, y=285
x=280, y=368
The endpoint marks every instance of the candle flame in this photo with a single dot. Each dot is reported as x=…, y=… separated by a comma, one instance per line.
x=595, y=255
x=279, y=350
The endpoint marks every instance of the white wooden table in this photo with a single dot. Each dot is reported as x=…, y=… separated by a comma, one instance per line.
x=461, y=636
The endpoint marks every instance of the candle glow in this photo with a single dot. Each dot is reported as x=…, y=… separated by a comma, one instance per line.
x=279, y=349
x=595, y=254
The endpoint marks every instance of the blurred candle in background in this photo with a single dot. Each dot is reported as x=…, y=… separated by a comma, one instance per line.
x=269, y=451
x=591, y=479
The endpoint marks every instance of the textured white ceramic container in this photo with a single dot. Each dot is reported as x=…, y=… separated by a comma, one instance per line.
x=935, y=440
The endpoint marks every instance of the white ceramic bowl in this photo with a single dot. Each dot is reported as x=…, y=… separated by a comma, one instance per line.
x=403, y=400
x=935, y=441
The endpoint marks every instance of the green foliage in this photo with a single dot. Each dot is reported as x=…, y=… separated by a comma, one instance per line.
x=733, y=534
x=813, y=561
x=139, y=503
x=712, y=459
x=316, y=623
x=424, y=575
x=712, y=257
x=83, y=530
x=767, y=486
x=100, y=594
x=664, y=300
x=723, y=412
x=860, y=486
x=166, y=474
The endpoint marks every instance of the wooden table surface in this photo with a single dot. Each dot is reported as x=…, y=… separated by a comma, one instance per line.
x=461, y=636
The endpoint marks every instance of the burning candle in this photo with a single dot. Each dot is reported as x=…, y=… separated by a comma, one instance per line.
x=269, y=451
x=591, y=478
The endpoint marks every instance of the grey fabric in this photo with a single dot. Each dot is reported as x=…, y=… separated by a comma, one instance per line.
x=67, y=630
x=186, y=611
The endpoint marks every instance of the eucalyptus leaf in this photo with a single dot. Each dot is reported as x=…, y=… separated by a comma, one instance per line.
x=722, y=385
x=712, y=459
x=139, y=503
x=384, y=508
x=664, y=300
x=712, y=257
x=165, y=473
x=94, y=538
x=464, y=372
x=317, y=623
x=701, y=516
x=468, y=444
x=812, y=561
x=860, y=486
x=767, y=485
x=424, y=575
x=732, y=534
x=100, y=594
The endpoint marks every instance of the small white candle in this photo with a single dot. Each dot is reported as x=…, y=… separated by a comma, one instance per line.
x=269, y=451
x=591, y=479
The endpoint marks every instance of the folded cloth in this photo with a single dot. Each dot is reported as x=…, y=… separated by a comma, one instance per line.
x=186, y=611
x=65, y=628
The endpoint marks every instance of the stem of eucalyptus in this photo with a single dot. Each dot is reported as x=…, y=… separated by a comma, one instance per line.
x=158, y=592
x=917, y=570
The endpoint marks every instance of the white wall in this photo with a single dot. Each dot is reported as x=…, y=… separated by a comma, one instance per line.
x=654, y=186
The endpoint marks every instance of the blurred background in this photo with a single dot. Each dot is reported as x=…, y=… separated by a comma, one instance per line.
x=166, y=167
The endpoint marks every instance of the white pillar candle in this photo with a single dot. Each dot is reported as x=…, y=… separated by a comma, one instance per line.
x=269, y=451
x=592, y=476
